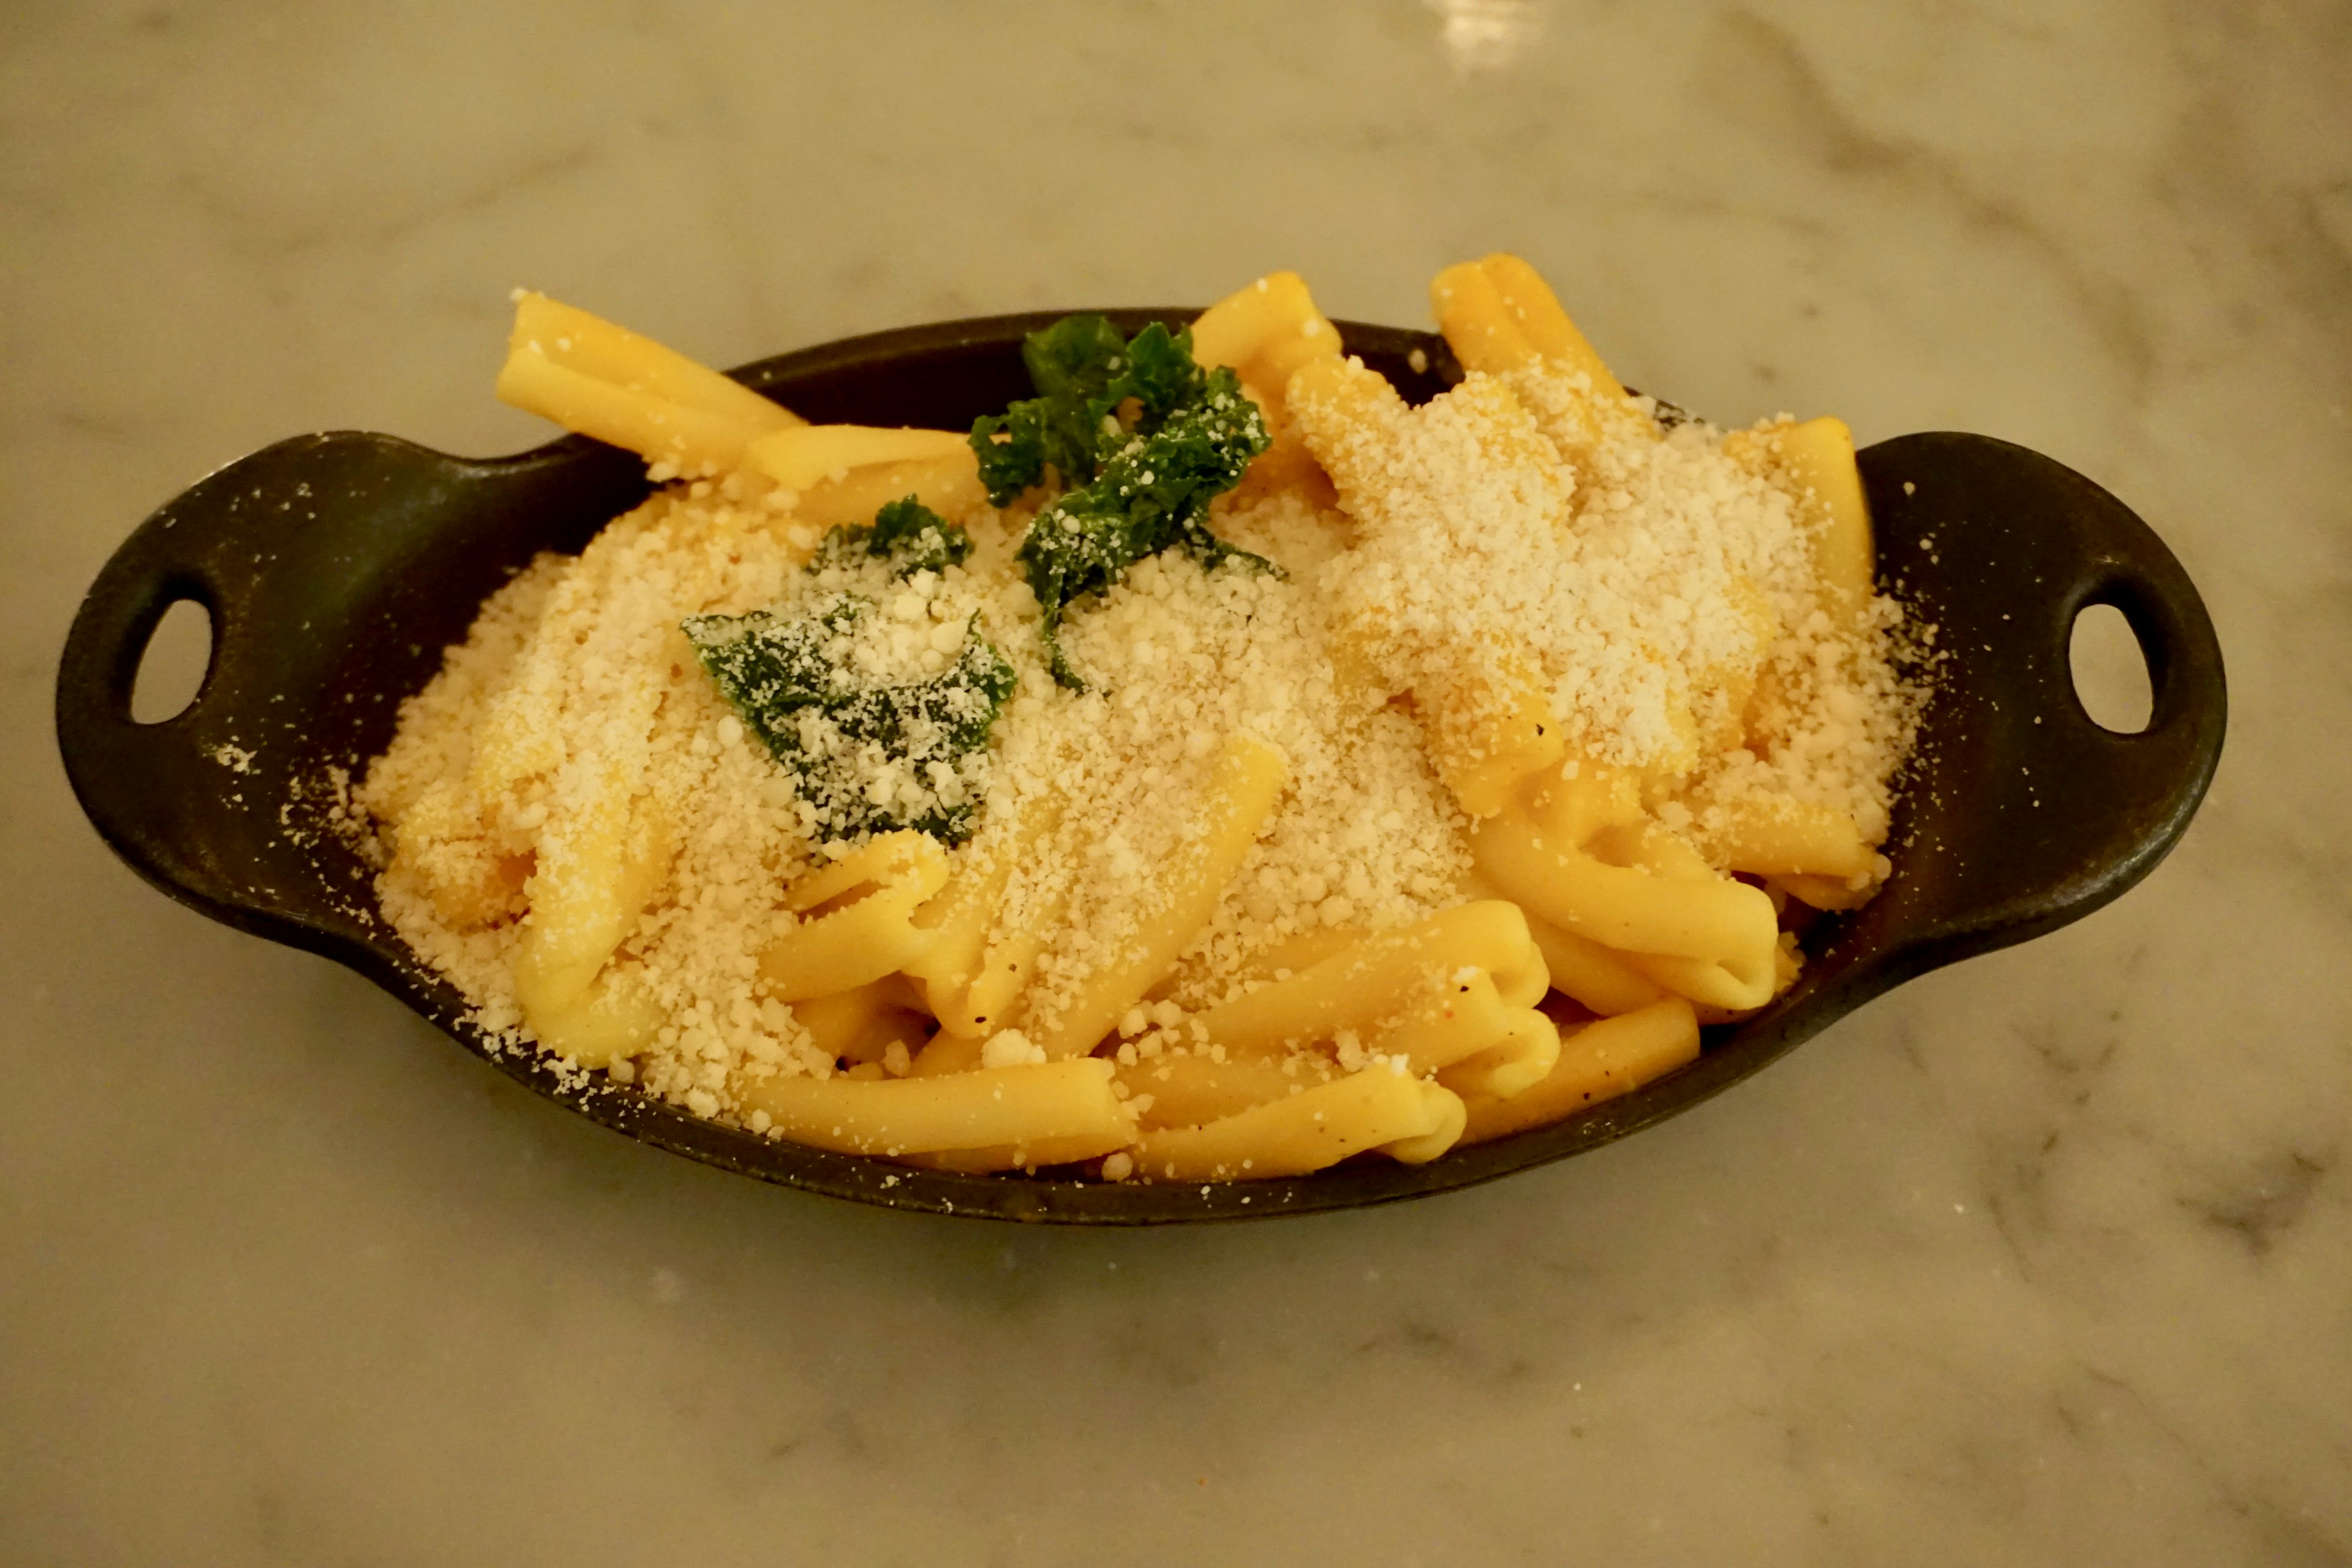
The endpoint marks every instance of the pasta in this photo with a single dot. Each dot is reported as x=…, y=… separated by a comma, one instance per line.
x=1213, y=769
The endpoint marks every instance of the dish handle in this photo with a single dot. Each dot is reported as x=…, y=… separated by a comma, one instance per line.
x=2037, y=815
x=325, y=564
x=154, y=790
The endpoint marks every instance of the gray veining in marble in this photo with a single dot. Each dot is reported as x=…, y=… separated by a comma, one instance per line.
x=2047, y=1259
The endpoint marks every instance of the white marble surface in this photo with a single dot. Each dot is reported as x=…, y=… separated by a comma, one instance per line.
x=2045, y=1258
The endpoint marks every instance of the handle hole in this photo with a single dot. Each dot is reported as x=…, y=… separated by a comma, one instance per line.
x=2110, y=670
x=172, y=668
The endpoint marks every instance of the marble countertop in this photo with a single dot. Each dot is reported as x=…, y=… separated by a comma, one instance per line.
x=2047, y=1257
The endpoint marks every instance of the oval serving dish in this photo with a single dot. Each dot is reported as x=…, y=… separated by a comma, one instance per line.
x=336, y=568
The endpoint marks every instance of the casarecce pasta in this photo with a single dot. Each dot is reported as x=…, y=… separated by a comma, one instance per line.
x=1211, y=769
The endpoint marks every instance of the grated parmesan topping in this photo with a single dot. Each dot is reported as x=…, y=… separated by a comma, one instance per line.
x=1181, y=658
x=1637, y=573
x=576, y=676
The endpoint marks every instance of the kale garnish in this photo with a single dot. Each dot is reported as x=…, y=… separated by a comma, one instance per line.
x=1154, y=494
x=1140, y=439
x=909, y=534
x=870, y=755
x=1084, y=371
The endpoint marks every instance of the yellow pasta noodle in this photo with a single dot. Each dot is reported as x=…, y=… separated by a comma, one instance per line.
x=1500, y=317
x=1242, y=789
x=1382, y=1108
x=1484, y=332
x=603, y=380
x=1473, y=1042
x=947, y=483
x=1535, y=309
x=1823, y=892
x=1348, y=406
x=692, y=440
x=1816, y=460
x=597, y=868
x=1495, y=727
x=945, y=1054
x=571, y=337
x=1362, y=988
x=1190, y=1088
x=1569, y=807
x=1782, y=836
x=1818, y=457
x=1271, y=326
x=951, y=968
x=853, y=922
x=1598, y=977
x=1293, y=954
x=995, y=992
x=1738, y=985
x=859, y=1025
x=1597, y=1062
x=615, y=1017
x=1489, y=715
x=1624, y=907
x=799, y=457
x=443, y=845
x=1068, y=1103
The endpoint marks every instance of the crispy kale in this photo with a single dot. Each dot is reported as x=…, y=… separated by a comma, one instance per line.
x=909, y=534
x=1154, y=494
x=1140, y=439
x=1084, y=371
x=870, y=755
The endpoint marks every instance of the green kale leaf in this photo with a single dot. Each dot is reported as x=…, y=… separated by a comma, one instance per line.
x=870, y=755
x=1141, y=439
x=1075, y=357
x=1084, y=372
x=909, y=534
x=1153, y=493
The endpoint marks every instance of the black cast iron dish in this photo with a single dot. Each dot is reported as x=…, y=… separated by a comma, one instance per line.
x=337, y=567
